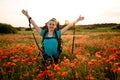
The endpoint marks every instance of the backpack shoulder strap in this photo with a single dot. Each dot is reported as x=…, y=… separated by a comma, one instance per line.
x=58, y=40
x=44, y=34
x=56, y=35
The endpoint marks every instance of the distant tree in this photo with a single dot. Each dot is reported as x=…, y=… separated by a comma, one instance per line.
x=7, y=28
x=104, y=25
x=28, y=29
x=66, y=22
x=116, y=27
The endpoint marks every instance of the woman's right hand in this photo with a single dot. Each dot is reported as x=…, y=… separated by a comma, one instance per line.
x=25, y=12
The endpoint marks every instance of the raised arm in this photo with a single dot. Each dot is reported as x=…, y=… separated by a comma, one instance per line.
x=71, y=24
x=32, y=21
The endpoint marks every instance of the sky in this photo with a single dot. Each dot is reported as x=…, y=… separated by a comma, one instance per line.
x=94, y=11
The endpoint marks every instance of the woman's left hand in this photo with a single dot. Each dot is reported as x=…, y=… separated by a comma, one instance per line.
x=80, y=18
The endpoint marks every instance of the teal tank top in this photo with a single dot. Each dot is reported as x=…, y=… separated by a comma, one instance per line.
x=50, y=45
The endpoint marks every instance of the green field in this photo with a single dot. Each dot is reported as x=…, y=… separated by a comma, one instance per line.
x=96, y=56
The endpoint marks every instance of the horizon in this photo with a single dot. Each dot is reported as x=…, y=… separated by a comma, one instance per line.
x=95, y=12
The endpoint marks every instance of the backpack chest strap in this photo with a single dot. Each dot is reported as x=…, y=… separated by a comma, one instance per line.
x=49, y=37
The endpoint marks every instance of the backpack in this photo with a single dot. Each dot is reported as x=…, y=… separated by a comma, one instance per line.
x=59, y=40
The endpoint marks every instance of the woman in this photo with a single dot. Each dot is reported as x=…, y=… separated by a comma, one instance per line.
x=51, y=45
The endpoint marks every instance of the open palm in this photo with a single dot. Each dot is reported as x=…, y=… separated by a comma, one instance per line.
x=80, y=18
x=25, y=12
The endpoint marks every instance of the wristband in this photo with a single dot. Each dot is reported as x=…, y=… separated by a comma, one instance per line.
x=29, y=19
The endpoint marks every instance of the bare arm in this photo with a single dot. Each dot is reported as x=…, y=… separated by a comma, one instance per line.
x=71, y=24
x=32, y=21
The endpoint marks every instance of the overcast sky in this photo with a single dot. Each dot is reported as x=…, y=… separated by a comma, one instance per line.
x=94, y=11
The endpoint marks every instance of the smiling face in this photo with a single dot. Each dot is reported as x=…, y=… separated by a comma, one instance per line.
x=52, y=24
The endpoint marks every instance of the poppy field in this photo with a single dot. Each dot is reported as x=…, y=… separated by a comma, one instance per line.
x=96, y=56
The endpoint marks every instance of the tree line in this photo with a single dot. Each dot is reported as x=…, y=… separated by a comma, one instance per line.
x=7, y=28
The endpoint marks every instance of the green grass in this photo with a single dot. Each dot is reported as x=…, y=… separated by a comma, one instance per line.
x=88, y=31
